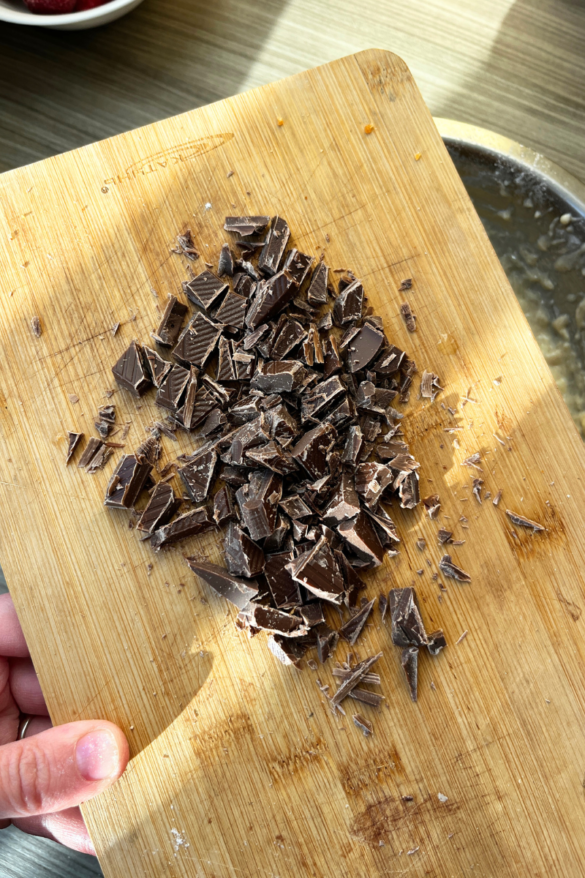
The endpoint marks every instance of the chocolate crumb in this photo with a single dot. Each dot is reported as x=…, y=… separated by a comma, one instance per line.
x=408, y=317
x=363, y=724
x=497, y=498
x=452, y=570
x=36, y=327
x=522, y=521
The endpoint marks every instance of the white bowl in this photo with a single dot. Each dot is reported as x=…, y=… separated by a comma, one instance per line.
x=16, y=13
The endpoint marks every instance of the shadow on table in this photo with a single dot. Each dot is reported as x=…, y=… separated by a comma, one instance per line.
x=62, y=89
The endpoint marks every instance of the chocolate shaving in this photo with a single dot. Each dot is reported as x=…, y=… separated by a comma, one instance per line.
x=170, y=324
x=37, y=329
x=409, y=661
x=73, y=440
x=522, y=521
x=354, y=627
x=186, y=246
x=362, y=724
x=91, y=449
x=410, y=321
x=246, y=225
x=449, y=569
x=359, y=672
x=235, y=590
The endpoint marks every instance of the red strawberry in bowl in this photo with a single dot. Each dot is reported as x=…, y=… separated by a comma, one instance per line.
x=50, y=7
x=88, y=4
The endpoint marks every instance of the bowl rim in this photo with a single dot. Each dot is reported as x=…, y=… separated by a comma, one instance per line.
x=14, y=16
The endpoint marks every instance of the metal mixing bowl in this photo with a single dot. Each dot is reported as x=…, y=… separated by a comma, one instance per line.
x=534, y=214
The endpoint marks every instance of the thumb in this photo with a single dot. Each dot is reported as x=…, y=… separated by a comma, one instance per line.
x=60, y=768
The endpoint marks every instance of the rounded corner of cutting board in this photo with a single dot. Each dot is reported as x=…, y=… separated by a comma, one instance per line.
x=382, y=57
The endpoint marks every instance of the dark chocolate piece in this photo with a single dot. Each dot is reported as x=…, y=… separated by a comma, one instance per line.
x=297, y=265
x=186, y=246
x=407, y=625
x=363, y=348
x=318, y=572
x=205, y=289
x=326, y=644
x=279, y=376
x=214, y=421
x=242, y=556
x=405, y=285
x=408, y=490
x=409, y=660
x=477, y=486
x=429, y=385
x=73, y=440
x=196, y=408
x=172, y=389
x=444, y=536
x=243, y=363
x=522, y=521
x=353, y=446
x=287, y=650
x=345, y=502
x=188, y=525
x=259, y=504
x=390, y=360
x=354, y=627
x=317, y=291
x=447, y=567
x=91, y=449
x=127, y=481
x=371, y=480
x=197, y=341
x=274, y=246
x=285, y=591
x=348, y=305
x=160, y=509
x=225, y=367
x=277, y=541
x=273, y=457
x=313, y=448
x=319, y=397
x=359, y=672
x=233, y=310
x=344, y=413
x=361, y=536
x=131, y=371
x=276, y=621
x=432, y=504
x=197, y=475
x=246, y=225
x=235, y=590
x=295, y=507
x=436, y=642
x=158, y=368
x=170, y=324
x=244, y=286
x=225, y=264
x=99, y=460
x=384, y=527
x=363, y=724
x=312, y=614
x=332, y=361
x=223, y=505
x=410, y=321
x=366, y=697
x=271, y=297
x=282, y=425
x=290, y=334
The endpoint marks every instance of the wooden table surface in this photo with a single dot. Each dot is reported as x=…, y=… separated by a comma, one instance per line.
x=515, y=67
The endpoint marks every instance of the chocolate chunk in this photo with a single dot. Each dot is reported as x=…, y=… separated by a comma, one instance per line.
x=522, y=521
x=280, y=376
x=160, y=509
x=295, y=507
x=271, y=297
x=73, y=440
x=286, y=649
x=312, y=449
x=91, y=449
x=344, y=504
x=197, y=341
x=127, y=481
x=243, y=557
x=359, y=672
x=361, y=536
x=297, y=265
x=235, y=590
x=353, y=446
x=371, y=480
x=259, y=504
x=171, y=391
x=432, y=504
x=409, y=661
x=390, y=450
x=99, y=460
x=131, y=371
x=186, y=246
x=366, y=697
x=354, y=627
x=225, y=264
x=279, y=539
x=318, y=572
x=214, y=421
x=148, y=451
x=197, y=407
x=389, y=361
x=225, y=367
x=477, y=486
x=285, y=591
x=444, y=536
x=290, y=334
x=449, y=569
x=429, y=385
x=436, y=642
x=317, y=291
x=197, y=475
x=344, y=413
x=158, y=368
x=384, y=527
x=405, y=285
x=408, y=490
x=326, y=644
x=170, y=324
x=273, y=457
x=410, y=320
x=188, y=525
x=312, y=614
x=243, y=363
x=363, y=348
x=233, y=311
x=244, y=286
x=319, y=397
x=282, y=425
x=246, y=225
x=406, y=621
x=276, y=621
x=274, y=246
x=348, y=305
x=205, y=289
x=223, y=505
x=361, y=722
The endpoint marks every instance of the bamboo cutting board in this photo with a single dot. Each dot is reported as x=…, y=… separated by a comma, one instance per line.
x=238, y=766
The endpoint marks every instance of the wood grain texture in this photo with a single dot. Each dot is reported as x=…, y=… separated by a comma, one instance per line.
x=237, y=754
x=516, y=66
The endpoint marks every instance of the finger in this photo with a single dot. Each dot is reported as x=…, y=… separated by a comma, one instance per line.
x=60, y=768
x=66, y=827
x=12, y=642
x=37, y=725
x=25, y=687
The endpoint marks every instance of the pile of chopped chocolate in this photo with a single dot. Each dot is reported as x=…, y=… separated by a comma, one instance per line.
x=289, y=377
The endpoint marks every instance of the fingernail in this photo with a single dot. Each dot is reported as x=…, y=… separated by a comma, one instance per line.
x=97, y=755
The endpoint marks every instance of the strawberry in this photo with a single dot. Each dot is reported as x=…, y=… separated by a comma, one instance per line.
x=88, y=4
x=50, y=7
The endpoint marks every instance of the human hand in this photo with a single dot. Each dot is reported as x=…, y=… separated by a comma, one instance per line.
x=45, y=776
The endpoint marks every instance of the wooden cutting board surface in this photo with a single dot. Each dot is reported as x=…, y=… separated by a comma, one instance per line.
x=238, y=766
